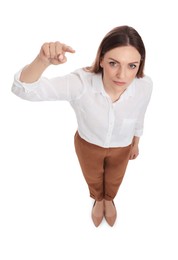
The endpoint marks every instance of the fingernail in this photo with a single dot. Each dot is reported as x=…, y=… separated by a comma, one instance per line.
x=61, y=57
x=71, y=49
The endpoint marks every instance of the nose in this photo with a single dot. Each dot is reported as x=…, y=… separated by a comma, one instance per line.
x=121, y=73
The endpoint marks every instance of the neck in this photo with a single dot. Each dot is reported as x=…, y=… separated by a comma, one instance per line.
x=114, y=93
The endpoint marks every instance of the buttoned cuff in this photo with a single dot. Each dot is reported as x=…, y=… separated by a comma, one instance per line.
x=138, y=132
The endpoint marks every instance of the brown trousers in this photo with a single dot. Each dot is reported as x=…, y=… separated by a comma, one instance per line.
x=103, y=168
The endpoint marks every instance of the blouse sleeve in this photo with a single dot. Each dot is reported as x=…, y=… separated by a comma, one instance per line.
x=68, y=87
x=144, y=101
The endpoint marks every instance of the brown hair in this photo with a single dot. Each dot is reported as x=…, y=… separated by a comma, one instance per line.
x=117, y=37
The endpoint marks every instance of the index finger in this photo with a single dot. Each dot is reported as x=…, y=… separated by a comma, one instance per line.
x=67, y=48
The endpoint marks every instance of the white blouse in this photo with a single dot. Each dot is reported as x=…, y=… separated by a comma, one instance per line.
x=100, y=121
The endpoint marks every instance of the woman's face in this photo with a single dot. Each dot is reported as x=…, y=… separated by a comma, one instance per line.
x=120, y=66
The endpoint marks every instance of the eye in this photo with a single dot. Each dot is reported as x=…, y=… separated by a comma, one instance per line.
x=113, y=63
x=132, y=66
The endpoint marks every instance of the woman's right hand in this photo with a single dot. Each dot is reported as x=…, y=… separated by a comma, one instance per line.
x=50, y=53
x=54, y=53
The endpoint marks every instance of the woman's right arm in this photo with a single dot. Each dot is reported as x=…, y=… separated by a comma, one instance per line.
x=50, y=53
x=29, y=85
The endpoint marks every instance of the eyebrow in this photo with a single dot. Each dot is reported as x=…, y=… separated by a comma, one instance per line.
x=119, y=62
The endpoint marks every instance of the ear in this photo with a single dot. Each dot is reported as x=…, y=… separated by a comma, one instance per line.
x=101, y=63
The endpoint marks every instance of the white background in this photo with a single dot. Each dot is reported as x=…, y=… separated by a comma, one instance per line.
x=44, y=201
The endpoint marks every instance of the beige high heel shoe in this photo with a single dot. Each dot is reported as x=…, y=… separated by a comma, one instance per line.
x=110, y=218
x=97, y=218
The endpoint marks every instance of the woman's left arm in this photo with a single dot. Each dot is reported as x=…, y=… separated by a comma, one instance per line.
x=134, y=149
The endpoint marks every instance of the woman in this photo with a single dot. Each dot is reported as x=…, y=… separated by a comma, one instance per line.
x=110, y=100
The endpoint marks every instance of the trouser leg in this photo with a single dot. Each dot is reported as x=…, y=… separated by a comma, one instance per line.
x=115, y=166
x=91, y=159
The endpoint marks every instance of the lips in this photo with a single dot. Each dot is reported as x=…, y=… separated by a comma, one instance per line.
x=119, y=83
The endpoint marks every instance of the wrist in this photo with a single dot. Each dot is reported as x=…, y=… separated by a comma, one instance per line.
x=42, y=63
x=33, y=71
x=135, y=141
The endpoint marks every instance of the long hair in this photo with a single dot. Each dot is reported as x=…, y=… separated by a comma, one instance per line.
x=117, y=37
